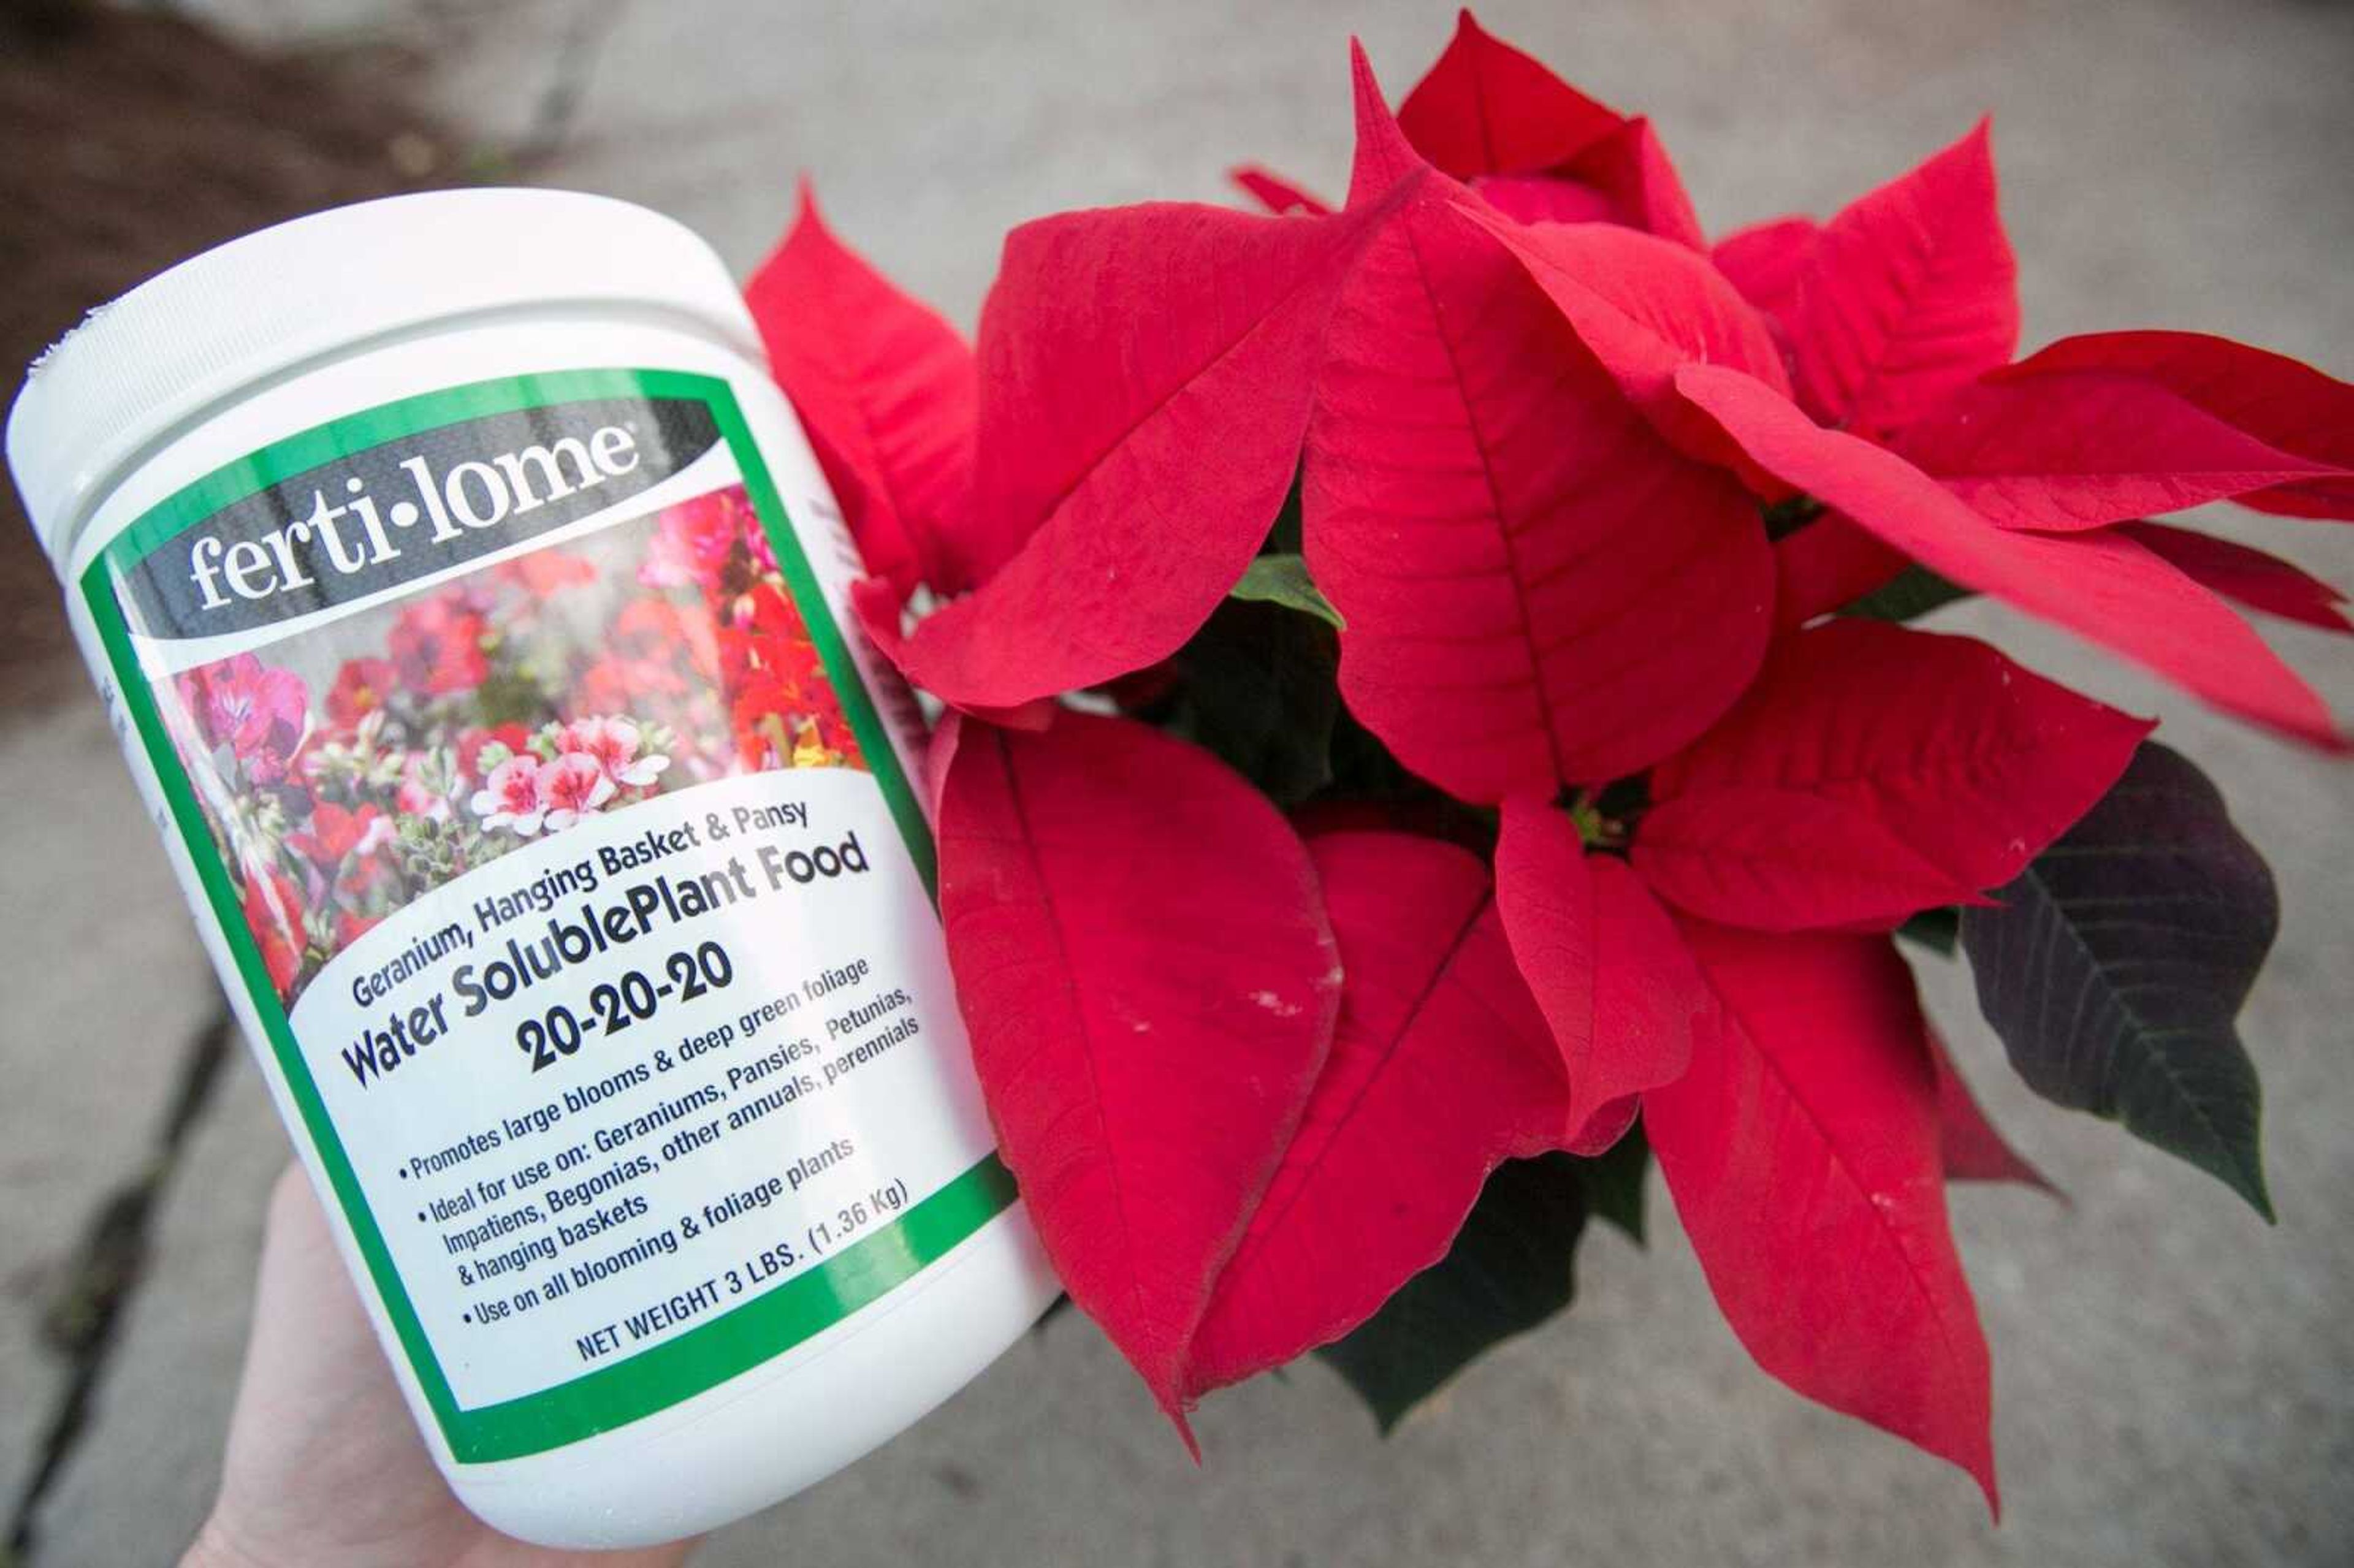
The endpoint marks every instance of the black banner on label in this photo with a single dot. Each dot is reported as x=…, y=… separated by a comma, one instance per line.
x=388, y=514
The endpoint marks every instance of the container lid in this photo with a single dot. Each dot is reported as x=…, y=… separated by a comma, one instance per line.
x=215, y=324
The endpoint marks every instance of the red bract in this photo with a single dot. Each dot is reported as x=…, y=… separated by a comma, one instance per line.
x=2100, y=584
x=2080, y=449
x=1909, y=294
x=1803, y=1152
x=1901, y=313
x=1538, y=148
x=1144, y=964
x=1939, y=745
x=1277, y=195
x=1971, y=1150
x=2244, y=574
x=886, y=389
x=1766, y=261
x=1785, y=860
x=1536, y=590
x=1531, y=442
x=1440, y=1069
x=1645, y=309
x=1146, y=375
x=1618, y=986
x=1487, y=108
x=1828, y=564
x=2272, y=397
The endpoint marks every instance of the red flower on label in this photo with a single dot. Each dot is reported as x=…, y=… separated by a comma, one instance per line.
x=360, y=689
x=273, y=915
x=513, y=736
x=694, y=541
x=259, y=714
x=437, y=646
x=335, y=833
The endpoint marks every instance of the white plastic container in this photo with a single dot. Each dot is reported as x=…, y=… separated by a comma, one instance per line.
x=474, y=615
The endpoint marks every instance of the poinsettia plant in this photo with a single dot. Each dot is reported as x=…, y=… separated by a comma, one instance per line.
x=1430, y=730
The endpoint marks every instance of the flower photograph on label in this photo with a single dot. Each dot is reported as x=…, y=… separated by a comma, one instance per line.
x=345, y=770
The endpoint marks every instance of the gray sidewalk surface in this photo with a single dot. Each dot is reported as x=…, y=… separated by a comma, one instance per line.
x=2174, y=1381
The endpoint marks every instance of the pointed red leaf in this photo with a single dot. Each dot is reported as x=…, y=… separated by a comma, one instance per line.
x=939, y=755
x=1909, y=294
x=1487, y=108
x=1971, y=1148
x=2244, y=574
x=1802, y=1153
x=1609, y=971
x=1440, y=1070
x=1543, y=198
x=1646, y=307
x=1147, y=1018
x=1604, y=1127
x=882, y=614
x=2082, y=448
x=886, y=389
x=1973, y=763
x=1623, y=179
x=1146, y=377
x=1277, y=195
x=1632, y=169
x=2278, y=400
x=1785, y=859
x=2101, y=585
x=1536, y=590
x=1766, y=261
x=1829, y=563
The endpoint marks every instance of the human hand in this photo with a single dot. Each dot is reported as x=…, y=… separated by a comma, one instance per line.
x=325, y=1467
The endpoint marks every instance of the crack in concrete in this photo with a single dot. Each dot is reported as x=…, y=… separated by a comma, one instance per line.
x=82, y=1321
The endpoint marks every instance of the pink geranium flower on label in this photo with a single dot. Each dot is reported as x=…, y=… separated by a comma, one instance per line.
x=571, y=787
x=510, y=797
x=415, y=795
x=259, y=714
x=691, y=542
x=613, y=743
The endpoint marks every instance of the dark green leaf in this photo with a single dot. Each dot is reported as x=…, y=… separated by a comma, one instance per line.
x=1912, y=593
x=2116, y=966
x=1939, y=930
x=1284, y=535
x=1284, y=580
x=1615, y=1181
x=1786, y=516
x=1258, y=686
x=1512, y=1266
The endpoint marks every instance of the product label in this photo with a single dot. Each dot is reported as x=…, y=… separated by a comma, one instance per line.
x=571, y=871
